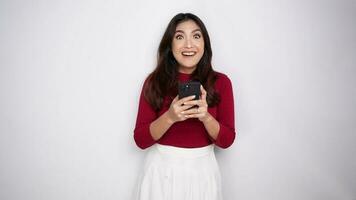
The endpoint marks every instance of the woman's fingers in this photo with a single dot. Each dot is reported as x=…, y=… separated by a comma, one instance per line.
x=196, y=102
x=177, y=106
x=182, y=108
x=185, y=107
x=175, y=99
x=190, y=111
x=197, y=115
x=203, y=92
x=182, y=100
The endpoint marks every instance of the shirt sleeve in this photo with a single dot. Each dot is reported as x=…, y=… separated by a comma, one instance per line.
x=225, y=115
x=145, y=116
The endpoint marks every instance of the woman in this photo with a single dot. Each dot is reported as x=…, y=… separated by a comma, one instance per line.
x=180, y=162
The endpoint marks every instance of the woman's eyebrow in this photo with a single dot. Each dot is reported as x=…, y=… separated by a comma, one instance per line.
x=180, y=31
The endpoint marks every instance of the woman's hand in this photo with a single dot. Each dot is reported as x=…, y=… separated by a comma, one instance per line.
x=202, y=111
x=176, y=108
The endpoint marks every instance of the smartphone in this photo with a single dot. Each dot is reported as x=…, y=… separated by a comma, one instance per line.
x=189, y=88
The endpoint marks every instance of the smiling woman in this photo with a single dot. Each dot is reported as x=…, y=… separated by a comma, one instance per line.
x=181, y=134
x=188, y=46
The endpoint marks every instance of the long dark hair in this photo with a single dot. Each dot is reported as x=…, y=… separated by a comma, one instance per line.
x=163, y=80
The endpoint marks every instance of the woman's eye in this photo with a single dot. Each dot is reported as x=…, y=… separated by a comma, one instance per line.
x=197, y=36
x=178, y=37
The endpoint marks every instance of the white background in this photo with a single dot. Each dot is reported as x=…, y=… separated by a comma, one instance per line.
x=71, y=73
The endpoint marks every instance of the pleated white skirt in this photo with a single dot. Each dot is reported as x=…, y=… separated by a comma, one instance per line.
x=174, y=173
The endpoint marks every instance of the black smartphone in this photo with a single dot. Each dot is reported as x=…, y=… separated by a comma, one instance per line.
x=189, y=88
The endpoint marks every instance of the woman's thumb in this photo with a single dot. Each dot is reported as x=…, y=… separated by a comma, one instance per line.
x=175, y=99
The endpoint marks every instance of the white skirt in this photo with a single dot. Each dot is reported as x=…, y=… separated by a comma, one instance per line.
x=174, y=173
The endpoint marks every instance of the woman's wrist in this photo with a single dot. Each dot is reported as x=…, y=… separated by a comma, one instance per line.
x=168, y=118
x=207, y=118
x=211, y=125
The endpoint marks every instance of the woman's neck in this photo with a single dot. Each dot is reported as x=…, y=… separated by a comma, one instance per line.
x=186, y=70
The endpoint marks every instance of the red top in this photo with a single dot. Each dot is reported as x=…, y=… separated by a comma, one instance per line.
x=191, y=132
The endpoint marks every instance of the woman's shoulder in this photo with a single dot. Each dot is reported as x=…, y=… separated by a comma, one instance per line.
x=221, y=79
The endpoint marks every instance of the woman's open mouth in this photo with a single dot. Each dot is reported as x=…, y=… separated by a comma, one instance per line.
x=189, y=53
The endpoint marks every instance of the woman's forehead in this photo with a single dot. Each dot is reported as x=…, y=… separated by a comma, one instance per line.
x=189, y=26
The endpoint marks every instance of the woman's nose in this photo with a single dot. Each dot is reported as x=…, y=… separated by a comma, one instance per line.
x=188, y=43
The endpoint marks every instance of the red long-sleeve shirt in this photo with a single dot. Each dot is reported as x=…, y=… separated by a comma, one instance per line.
x=191, y=132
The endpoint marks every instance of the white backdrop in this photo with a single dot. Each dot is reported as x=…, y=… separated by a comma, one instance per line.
x=71, y=73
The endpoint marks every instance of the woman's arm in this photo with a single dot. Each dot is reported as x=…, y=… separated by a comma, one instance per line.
x=149, y=127
x=212, y=126
x=172, y=115
x=160, y=126
x=222, y=129
x=145, y=116
x=225, y=115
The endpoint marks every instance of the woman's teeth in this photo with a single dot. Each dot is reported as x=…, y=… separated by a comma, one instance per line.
x=188, y=53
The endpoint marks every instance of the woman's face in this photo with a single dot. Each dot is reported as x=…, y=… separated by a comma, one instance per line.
x=188, y=46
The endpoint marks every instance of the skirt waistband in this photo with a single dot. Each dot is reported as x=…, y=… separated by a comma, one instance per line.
x=184, y=152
